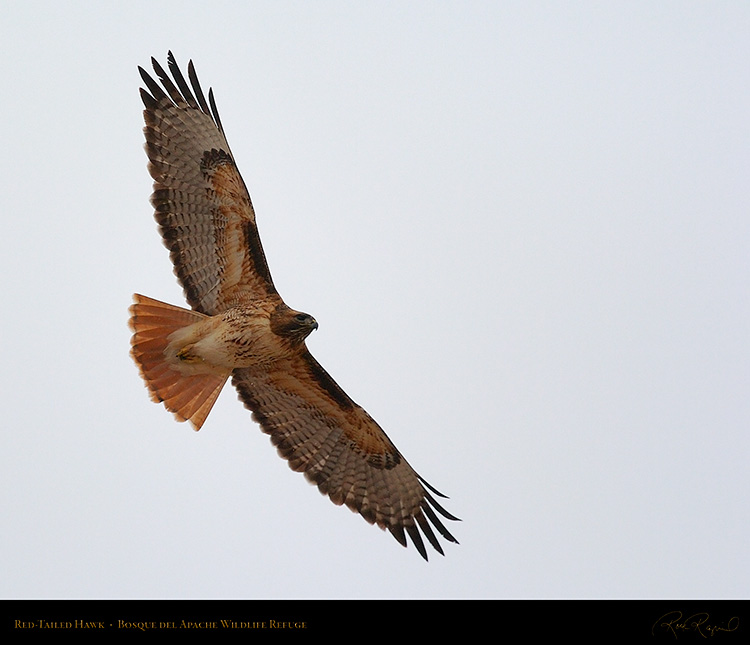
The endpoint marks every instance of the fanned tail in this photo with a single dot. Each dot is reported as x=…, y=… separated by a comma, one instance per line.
x=189, y=396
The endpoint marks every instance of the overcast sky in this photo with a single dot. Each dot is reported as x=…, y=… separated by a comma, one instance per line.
x=523, y=228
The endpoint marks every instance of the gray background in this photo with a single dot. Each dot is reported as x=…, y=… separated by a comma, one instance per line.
x=523, y=228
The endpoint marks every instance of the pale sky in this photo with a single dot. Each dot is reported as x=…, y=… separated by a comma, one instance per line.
x=523, y=228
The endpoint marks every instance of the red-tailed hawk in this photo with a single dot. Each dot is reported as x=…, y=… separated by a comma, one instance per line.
x=240, y=327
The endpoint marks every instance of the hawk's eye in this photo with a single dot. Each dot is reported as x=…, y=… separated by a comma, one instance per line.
x=300, y=318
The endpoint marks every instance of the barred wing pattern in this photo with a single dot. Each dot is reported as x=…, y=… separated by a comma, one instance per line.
x=207, y=221
x=203, y=208
x=340, y=448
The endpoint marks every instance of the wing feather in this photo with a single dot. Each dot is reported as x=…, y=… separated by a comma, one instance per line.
x=322, y=433
x=199, y=93
x=181, y=84
x=201, y=202
x=207, y=222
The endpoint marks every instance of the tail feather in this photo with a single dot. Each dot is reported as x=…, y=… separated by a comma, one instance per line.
x=190, y=397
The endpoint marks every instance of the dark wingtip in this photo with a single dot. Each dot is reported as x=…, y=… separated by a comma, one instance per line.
x=416, y=538
x=428, y=521
x=178, y=90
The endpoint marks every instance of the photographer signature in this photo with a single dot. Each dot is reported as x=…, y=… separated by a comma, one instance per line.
x=674, y=623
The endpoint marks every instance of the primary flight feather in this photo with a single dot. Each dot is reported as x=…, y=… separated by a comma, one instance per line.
x=240, y=327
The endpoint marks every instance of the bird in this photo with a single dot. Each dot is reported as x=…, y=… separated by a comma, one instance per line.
x=238, y=326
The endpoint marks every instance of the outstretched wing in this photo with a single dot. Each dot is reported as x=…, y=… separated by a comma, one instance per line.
x=201, y=203
x=341, y=449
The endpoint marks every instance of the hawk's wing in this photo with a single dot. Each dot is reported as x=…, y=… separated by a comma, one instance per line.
x=207, y=222
x=340, y=448
x=202, y=205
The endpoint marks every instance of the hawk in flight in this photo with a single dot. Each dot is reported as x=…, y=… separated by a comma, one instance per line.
x=240, y=327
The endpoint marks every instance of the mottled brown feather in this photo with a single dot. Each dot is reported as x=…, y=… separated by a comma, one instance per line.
x=201, y=203
x=322, y=433
x=207, y=222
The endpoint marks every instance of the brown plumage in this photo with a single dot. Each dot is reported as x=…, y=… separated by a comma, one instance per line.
x=240, y=327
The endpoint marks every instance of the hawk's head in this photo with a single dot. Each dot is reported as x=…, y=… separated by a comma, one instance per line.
x=292, y=325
